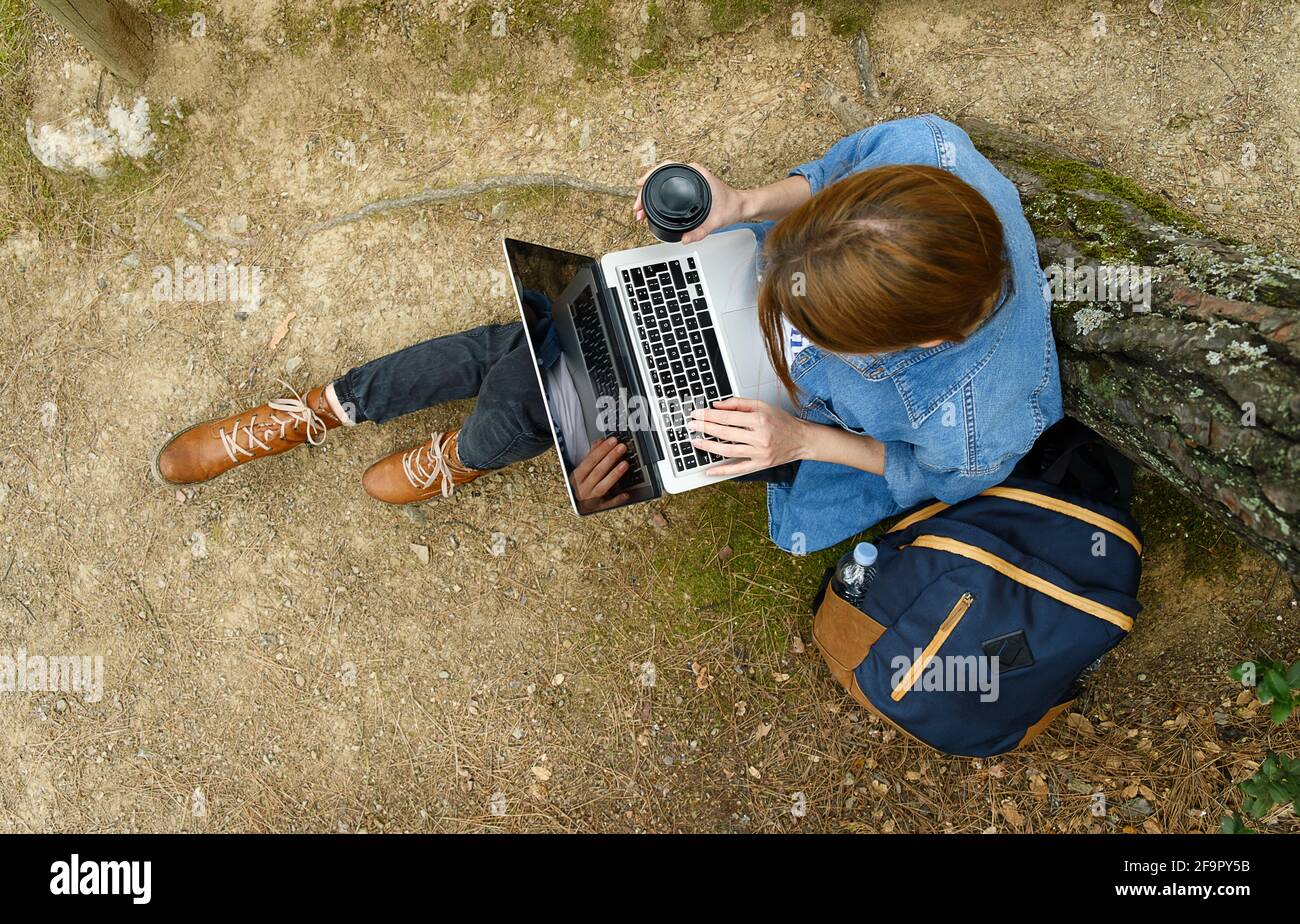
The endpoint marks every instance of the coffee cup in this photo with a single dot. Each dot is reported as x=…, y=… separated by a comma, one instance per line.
x=676, y=199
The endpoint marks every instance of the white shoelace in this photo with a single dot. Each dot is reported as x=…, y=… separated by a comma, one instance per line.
x=422, y=472
x=299, y=415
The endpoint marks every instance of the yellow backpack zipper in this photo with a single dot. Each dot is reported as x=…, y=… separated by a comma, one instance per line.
x=945, y=629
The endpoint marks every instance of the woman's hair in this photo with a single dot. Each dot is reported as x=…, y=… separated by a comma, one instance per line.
x=884, y=259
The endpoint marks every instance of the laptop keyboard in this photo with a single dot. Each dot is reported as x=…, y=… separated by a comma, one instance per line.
x=600, y=368
x=676, y=330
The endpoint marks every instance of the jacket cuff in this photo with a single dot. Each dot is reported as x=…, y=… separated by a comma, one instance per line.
x=814, y=172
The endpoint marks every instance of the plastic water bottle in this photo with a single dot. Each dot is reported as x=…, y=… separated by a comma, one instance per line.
x=855, y=572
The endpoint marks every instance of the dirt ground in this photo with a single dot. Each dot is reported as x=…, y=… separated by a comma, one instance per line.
x=282, y=653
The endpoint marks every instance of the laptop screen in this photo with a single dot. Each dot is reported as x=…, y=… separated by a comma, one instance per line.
x=586, y=381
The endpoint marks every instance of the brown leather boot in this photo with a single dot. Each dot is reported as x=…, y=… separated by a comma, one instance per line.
x=208, y=449
x=420, y=473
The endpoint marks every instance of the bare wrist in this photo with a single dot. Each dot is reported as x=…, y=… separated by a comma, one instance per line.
x=748, y=205
x=809, y=440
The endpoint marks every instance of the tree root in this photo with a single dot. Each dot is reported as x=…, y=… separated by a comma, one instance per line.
x=217, y=236
x=428, y=196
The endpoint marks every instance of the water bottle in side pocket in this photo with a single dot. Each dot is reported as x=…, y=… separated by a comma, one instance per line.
x=854, y=573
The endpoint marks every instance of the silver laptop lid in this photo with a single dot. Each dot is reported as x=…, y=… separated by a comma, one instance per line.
x=584, y=378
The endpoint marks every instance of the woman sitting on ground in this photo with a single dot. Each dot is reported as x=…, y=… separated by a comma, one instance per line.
x=902, y=304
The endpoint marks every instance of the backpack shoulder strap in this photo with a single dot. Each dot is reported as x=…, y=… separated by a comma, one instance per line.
x=1097, y=467
x=1071, y=454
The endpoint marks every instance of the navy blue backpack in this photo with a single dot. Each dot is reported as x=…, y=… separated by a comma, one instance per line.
x=985, y=615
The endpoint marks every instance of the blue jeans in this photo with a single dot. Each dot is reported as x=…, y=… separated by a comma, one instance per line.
x=493, y=363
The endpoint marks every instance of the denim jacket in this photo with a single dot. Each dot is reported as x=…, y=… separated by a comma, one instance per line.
x=955, y=418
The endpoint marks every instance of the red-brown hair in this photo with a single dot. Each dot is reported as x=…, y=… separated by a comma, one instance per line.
x=884, y=259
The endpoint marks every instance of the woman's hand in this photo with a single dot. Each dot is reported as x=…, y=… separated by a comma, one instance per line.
x=597, y=474
x=757, y=435
x=728, y=204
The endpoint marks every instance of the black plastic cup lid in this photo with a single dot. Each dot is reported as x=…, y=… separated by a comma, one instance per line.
x=676, y=197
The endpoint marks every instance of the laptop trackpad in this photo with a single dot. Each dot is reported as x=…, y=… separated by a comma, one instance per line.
x=749, y=358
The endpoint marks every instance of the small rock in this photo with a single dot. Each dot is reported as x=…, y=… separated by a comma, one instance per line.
x=1136, y=808
x=798, y=805
x=1229, y=733
x=649, y=674
x=498, y=544
x=292, y=365
x=500, y=210
x=49, y=416
x=131, y=261
x=421, y=552
x=239, y=224
x=658, y=520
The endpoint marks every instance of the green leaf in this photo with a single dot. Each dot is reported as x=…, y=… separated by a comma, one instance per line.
x=1256, y=808
x=1238, y=673
x=1280, y=712
x=1232, y=824
x=1293, y=676
x=1276, y=684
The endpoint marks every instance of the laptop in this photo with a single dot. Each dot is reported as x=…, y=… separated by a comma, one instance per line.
x=628, y=345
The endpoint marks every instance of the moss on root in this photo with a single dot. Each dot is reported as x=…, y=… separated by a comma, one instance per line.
x=1086, y=200
x=1064, y=175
